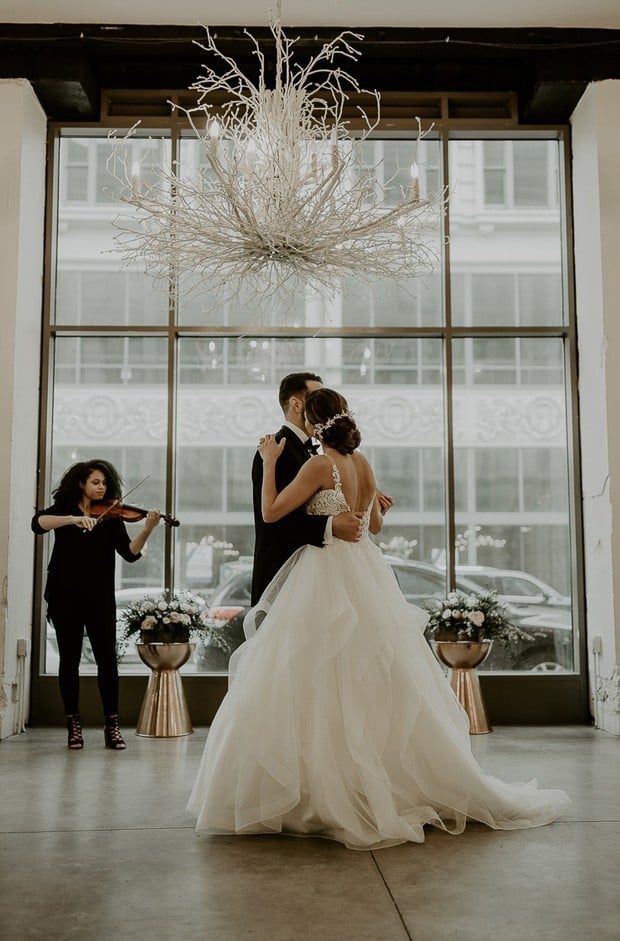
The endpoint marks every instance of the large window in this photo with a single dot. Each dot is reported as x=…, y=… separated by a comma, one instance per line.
x=473, y=357
x=519, y=173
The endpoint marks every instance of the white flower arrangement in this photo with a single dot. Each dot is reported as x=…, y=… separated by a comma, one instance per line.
x=473, y=618
x=173, y=618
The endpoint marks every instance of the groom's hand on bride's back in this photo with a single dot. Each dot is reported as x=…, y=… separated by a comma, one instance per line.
x=348, y=526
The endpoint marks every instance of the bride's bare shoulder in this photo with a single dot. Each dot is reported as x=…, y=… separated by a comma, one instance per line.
x=360, y=460
x=319, y=466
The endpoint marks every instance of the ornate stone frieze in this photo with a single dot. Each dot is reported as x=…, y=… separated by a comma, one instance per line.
x=84, y=416
x=397, y=415
x=515, y=418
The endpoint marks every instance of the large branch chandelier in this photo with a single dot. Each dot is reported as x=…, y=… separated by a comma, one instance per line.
x=282, y=200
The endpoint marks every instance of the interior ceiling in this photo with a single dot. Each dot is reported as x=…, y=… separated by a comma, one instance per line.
x=390, y=13
x=545, y=51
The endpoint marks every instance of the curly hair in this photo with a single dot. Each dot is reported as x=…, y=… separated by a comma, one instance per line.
x=342, y=435
x=68, y=492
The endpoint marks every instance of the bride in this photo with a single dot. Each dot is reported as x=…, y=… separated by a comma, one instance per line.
x=339, y=722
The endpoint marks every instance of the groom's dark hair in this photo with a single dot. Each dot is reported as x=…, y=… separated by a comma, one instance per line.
x=295, y=384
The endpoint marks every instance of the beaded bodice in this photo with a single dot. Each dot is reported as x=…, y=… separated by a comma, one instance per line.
x=331, y=502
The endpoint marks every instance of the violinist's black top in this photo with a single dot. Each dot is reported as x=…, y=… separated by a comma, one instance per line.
x=83, y=561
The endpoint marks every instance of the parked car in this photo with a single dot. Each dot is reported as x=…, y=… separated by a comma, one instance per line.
x=517, y=588
x=228, y=606
x=550, y=648
x=538, y=608
x=421, y=581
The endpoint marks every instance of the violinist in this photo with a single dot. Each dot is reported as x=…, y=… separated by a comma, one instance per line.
x=80, y=584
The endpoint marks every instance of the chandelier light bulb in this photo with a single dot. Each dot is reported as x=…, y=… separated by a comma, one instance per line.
x=415, y=180
x=250, y=156
x=135, y=178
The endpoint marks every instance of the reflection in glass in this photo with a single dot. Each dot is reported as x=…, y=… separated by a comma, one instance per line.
x=511, y=491
x=511, y=484
x=98, y=411
x=219, y=423
x=94, y=286
x=505, y=238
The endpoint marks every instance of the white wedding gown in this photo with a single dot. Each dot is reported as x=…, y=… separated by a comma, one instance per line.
x=340, y=723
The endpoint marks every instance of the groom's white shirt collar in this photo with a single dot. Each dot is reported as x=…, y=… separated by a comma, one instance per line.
x=302, y=435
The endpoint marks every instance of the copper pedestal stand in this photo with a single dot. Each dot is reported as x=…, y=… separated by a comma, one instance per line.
x=164, y=712
x=462, y=657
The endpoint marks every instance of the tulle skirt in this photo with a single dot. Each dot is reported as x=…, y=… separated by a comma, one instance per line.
x=340, y=723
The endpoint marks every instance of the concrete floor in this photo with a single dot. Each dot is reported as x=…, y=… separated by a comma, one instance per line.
x=97, y=845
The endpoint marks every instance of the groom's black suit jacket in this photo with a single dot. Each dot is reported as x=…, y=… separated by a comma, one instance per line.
x=276, y=542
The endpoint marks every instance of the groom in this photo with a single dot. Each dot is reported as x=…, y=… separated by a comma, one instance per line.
x=276, y=542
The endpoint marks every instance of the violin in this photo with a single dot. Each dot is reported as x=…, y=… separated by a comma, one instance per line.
x=116, y=509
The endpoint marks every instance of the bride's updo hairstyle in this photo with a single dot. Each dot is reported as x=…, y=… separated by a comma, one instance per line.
x=328, y=411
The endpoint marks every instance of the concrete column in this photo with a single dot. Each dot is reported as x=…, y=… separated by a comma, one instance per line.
x=22, y=201
x=596, y=187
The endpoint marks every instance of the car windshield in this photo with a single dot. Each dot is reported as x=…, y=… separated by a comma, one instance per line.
x=488, y=582
x=419, y=583
x=520, y=586
x=235, y=590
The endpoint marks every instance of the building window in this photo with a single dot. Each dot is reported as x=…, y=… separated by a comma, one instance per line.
x=519, y=174
x=125, y=356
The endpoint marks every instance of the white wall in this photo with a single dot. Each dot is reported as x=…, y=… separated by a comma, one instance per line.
x=596, y=185
x=22, y=200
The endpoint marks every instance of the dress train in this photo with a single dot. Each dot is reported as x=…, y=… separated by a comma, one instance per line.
x=340, y=723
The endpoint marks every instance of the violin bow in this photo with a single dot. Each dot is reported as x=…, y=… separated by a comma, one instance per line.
x=118, y=500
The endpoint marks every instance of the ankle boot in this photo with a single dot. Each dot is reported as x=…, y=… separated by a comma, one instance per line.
x=74, y=729
x=112, y=734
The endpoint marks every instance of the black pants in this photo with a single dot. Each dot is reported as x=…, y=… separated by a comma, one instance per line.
x=69, y=617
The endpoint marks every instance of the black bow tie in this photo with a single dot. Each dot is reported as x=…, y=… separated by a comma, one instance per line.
x=310, y=447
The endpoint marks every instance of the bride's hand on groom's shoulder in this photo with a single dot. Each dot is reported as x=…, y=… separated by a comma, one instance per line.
x=269, y=448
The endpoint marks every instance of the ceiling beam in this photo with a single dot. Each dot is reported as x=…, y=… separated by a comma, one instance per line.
x=547, y=69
